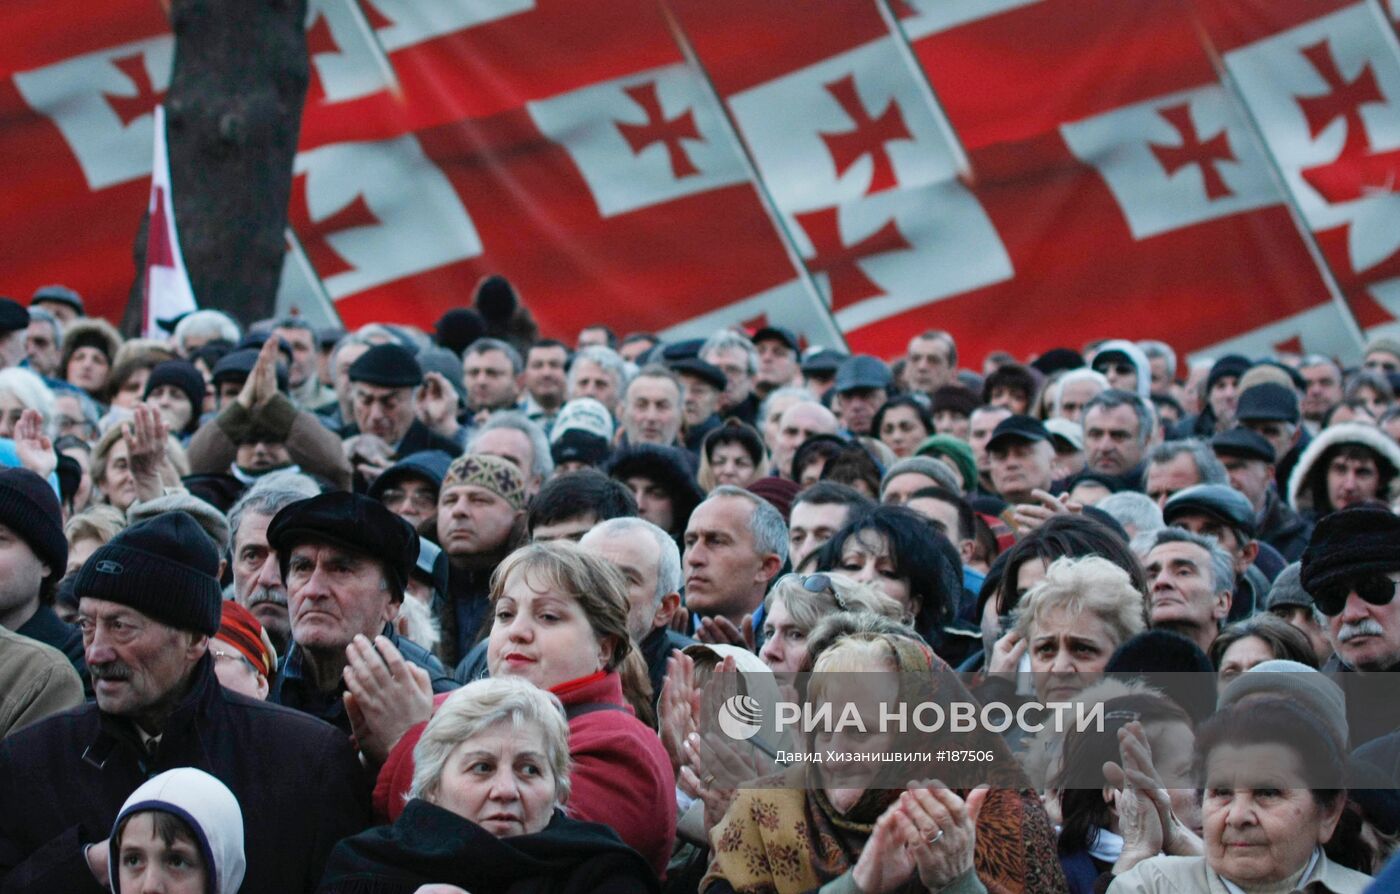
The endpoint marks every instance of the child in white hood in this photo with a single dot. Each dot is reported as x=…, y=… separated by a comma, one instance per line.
x=180, y=833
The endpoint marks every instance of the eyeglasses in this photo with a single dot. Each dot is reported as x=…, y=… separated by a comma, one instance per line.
x=1377, y=589
x=1117, y=369
x=820, y=583
x=424, y=500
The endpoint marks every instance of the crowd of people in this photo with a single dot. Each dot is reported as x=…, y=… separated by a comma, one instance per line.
x=295, y=610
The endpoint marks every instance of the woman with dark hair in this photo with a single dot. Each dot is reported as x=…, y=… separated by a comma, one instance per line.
x=732, y=454
x=902, y=424
x=1024, y=565
x=1141, y=731
x=897, y=550
x=1255, y=640
x=854, y=466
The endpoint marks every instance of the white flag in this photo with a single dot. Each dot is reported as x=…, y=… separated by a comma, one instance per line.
x=168, y=290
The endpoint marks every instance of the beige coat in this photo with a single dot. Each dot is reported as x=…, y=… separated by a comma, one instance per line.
x=35, y=681
x=1191, y=875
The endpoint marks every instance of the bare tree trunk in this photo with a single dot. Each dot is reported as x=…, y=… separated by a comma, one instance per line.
x=233, y=116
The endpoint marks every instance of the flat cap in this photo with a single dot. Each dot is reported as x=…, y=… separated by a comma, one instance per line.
x=706, y=372
x=862, y=371
x=1268, y=402
x=59, y=295
x=1017, y=428
x=823, y=363
x=1243, y=444
x=350, y=521
x=1222, y=503
x=1287, y=590
x=13, y=316
x=388, y=366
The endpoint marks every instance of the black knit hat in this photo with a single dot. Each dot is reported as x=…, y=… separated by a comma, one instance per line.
x=1229, y=365
x=1349, y=543
x=388, y=366
x=353, y=522
x=29, y=507
x=1056, y=360
x=184, y=376
x=956, y=398
x=166, y=568
x=13, y=316
x=458, y=328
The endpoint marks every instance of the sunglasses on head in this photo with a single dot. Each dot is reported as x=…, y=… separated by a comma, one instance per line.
x=1377, y=589
x=820, y=583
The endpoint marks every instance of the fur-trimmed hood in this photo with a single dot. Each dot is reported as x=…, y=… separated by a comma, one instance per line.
x=1300, y=483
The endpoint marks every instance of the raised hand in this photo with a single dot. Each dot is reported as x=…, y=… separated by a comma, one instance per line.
x=939, y=831
x=1006, y=655
x=437, y=405
x=385, y=697
x=33, y=446
x=678, y=707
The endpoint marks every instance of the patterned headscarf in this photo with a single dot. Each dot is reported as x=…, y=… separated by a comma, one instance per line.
x=500, y=476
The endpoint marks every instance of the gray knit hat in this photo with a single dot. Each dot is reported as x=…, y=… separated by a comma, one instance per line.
x=924, y=465
x=1290, y=680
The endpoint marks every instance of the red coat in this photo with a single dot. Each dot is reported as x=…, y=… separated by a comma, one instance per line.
x=621, y=777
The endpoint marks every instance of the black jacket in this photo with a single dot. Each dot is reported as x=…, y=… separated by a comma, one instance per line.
x=63, y=781
x=293, y=690
x=656, y=648
x=1283, y=529
x=431, y=845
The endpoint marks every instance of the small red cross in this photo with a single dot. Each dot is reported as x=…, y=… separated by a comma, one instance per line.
x=314, y=233
x=870, y=136
x=129, y=108
x=1343, y=98
x=846, y=280
x=659, y=129
x=1194, y=152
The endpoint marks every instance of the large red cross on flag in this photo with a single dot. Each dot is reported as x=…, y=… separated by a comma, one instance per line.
x=168, y=293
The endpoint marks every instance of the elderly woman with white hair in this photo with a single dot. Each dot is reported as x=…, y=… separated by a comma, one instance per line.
x=22, y=390
x=490, y=780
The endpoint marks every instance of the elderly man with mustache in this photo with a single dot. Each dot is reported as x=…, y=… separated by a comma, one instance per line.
x=1352, y=570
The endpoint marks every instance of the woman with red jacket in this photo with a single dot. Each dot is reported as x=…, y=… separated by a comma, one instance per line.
x=559, y=620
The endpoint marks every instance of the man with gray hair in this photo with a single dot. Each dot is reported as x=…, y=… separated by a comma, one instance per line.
x=1177, y=465
x=652, y=407
x=1118, y=428
x=1162, y=360
x=257, y=581
x=43, y=342
x=303, y=382
x=1076, y=388
x=600, y=373
x=512, y=436
x=491, y=369
x=737, y=358
x=1192, y=580
x=734, y=544
x=197, y=329
x=651, y=563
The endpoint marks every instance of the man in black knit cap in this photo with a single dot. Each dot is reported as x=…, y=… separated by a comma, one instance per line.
x=1352, y=571
x=148, y=603
x=33, y=556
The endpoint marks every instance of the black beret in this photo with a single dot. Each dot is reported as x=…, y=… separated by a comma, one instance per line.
x=388, y=366
x=705, y=372
x=1351, y=542
x=1216, y=500
x=13, y=316
x=353, y=522
x=577, y=445
x=1243, y=443
x=1057, y=359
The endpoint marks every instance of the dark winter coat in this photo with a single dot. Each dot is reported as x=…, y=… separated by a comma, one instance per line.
x=63, y=782
x=428, y=844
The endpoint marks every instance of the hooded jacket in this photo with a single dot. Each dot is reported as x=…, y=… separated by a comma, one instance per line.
x=1133, y=353
x=1304, y=482
x=208, y=808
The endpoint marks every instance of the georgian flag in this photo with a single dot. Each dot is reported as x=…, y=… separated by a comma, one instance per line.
x=168, y=293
